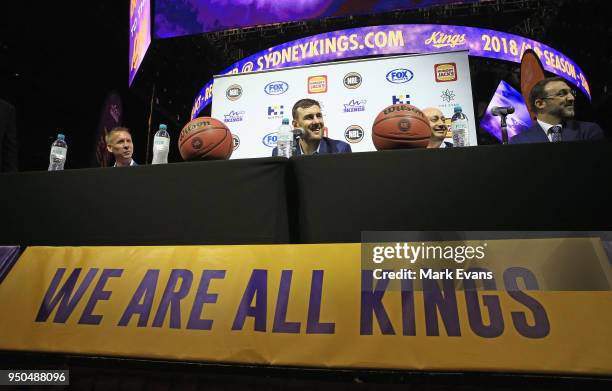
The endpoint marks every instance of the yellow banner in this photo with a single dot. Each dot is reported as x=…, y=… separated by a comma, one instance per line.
x=309, y=305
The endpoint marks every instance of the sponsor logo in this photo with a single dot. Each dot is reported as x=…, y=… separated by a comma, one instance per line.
x=439, y=40
x=275, y=112
x=317, y=84
x=445, y=72
x=235, y=141
x=448, y=95
x=194, y=124
x=196, y=143
x=354, y=105
x=234, y=116
x=399, y=76
x=276, y=88
x=233, y=92
x=354, y=134
x=352, y=80
x=269, y=140
x=403, y=107
x=400, y=99
x=247, y=67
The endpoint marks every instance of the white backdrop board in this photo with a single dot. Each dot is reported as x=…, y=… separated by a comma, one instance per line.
x=351, y=93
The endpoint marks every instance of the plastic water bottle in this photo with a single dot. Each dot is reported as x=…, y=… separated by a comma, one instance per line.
x=284, y=139
x=161, y=145
x=460, y=128
x=57, y=157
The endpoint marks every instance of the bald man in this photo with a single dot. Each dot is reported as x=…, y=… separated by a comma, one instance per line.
x=437, y=121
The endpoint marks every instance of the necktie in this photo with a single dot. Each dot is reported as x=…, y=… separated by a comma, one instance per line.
x=555, y=133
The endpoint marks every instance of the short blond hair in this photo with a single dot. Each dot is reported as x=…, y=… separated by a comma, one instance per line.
x=114, y=130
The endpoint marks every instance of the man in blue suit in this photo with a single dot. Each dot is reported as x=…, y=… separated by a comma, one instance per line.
x=552, y=101
x=307, y=116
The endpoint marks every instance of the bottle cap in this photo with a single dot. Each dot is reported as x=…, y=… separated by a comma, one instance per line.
x=457, y=109
x=285, y=121
x=163, y=127
x=60, y=136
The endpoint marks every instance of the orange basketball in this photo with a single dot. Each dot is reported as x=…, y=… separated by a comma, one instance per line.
x=401, y=126
x=205, y=138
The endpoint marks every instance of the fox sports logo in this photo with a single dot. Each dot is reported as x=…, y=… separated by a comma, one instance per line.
x=276, y=88
x=269, y=140
x=399, y=75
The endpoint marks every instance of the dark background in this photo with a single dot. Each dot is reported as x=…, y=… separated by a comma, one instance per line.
x=59, y=61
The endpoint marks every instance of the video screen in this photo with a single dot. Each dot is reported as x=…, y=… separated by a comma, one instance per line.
x=183, y=17
x=520, y=120
x=140, y=34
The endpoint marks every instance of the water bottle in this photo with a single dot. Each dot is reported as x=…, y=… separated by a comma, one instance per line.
x=161, y=145
x=284, y=139
x=57, y=157
x=460, y=128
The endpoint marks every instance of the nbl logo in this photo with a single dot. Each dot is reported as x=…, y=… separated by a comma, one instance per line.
x=233, y=92
x=354, y=134
x=275, y=111
x=235, y=141
x=401, y=99
x=352, y=80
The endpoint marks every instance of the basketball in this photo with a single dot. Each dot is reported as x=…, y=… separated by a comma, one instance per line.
x=205, y=138
x=400, y=126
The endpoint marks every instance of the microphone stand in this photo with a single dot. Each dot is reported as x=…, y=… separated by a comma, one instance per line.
x=297, y=133
x=504, y=128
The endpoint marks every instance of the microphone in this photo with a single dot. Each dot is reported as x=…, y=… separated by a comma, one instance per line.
x=501, y=110
x=298, y=132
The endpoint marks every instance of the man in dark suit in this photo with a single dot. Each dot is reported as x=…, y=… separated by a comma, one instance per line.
x=552, y=101
x=8, y=138
x=119, y=143
x=307, y=116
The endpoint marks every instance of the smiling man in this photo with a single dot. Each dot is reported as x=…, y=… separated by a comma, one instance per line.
x=552, y=101
x=437, y=121
x=119, y=143
x=308, y=117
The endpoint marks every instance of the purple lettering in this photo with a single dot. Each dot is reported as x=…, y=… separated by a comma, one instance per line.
x=280, y=314
x=98, y=294
x=445, y=303
x=257, y=289
x=491, y=302
x=63, y=296
x=408, y=310
x=203, y=297
x=541, y=326
x=145, y=293
x=172, y=299
x=313, y=326
x=371, y=302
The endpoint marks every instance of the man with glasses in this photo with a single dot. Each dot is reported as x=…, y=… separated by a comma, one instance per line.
x=552, y=101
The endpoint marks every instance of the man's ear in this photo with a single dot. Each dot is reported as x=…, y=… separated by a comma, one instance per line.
x=109, y=148
x=539, y=103
x=294, y=123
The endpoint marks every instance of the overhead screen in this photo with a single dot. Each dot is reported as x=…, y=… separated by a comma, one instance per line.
x=140, y=34
x=181, y=17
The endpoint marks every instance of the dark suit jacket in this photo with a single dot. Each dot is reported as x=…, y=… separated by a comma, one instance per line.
x=8, y=138
x=328, y=145
x=572, y=131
